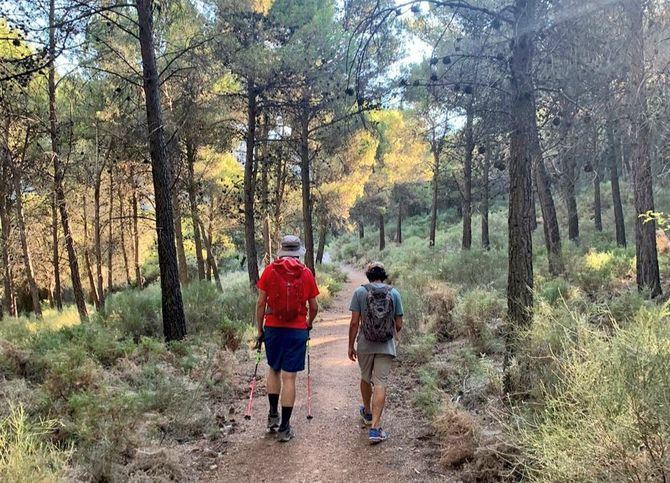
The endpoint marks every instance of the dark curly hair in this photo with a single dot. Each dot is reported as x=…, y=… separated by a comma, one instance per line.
x=376, y=273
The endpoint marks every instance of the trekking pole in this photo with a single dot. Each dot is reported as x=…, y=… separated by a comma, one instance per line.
x=309, y=385
x=252, y=384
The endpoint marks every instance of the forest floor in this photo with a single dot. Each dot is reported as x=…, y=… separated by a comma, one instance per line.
x=333, y=446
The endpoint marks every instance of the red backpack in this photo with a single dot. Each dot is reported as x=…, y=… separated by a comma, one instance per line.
x=286, y=299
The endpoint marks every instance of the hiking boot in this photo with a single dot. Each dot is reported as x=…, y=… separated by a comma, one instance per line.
x=377, y=435
x=273, y=422
x=366, y=417
x=284, y=435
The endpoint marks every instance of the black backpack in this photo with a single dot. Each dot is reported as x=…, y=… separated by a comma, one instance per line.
x=379, y=316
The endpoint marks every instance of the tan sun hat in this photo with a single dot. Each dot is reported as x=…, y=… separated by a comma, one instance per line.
x=291, y=246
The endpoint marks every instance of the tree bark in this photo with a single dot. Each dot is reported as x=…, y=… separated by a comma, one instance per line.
x=179, y=237
x=211, y=259
x=520, y=274
x=122, y=223
x=617, y=205
x=552, y=236
x=58, y=171
x=569, y=178
x=361, y=230
x=174, y=322
x=110, y=233
x=306, y=186
x=97, y=239
x=135, y=229
x=486, y=243
x=87, y=255
x=321, y=248
x=250, y=186
x=597, y=205
x=648, y=276
x=8, y=297
x=382, y=236
x=191, y=152
x=433, y=208
x=399, y=227
x=467, y=177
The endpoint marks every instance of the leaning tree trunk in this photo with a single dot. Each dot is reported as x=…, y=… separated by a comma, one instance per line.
x=382, y=236
x=552, y=236
x=174, y=322
x=648, y=276
x=193, y=202
x=433, y=208
x=58, y=171
x=486, y=243
x=250, y=186
x=467, y=178
x=306, y=186
x=617, y=205
x=523, y=123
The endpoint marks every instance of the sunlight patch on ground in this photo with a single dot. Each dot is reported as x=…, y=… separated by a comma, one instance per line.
x=326, y=340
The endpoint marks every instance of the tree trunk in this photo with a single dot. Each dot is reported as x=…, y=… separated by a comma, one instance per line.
x=399, y=227
x=569, y=177
x=306, y=186
x=193, y=201
x=250, y=186
x=648, y=276
x=520, y=274
x=122, y=231
x=433, y=208
x=27, y=261
x=135, y=230
x=97, y=237
x=110, y=233
x=211, y=259
x=382, y=236
x=467, y=177
x=174, y=322
x=552, y=236
x=55, y=255
x=179, y=237
x=58, y=171
x=87, y=255
x=361, y=230
x=265, y=195
x=321, y=248
x=617, y=206
x=486, y=243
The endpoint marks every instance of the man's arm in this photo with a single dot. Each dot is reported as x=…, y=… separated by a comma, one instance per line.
x=260, y=310
x=398, y=323
x=313, y=310
x=353, y=332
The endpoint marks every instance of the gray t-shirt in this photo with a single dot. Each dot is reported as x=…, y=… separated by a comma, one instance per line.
x=358, y=304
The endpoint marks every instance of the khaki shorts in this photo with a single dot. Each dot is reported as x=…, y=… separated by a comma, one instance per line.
x=375, y=368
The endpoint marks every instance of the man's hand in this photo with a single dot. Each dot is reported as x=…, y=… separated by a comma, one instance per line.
x=353, y=355
x=259, y=340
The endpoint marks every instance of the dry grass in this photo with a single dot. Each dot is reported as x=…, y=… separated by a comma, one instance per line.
x=458, y=433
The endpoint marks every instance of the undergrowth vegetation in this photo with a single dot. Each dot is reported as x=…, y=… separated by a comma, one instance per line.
x=591, y=375
x=79, y=401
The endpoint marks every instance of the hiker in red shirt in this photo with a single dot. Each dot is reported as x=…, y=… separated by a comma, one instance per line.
x=285, y=311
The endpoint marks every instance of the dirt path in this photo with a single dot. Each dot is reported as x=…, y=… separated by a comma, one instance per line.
x=332, y=447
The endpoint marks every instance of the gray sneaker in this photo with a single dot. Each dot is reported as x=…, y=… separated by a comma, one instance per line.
x=286, y=434
x=273, y=422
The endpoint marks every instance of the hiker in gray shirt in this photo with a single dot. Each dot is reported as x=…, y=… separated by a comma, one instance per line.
x=376, y=319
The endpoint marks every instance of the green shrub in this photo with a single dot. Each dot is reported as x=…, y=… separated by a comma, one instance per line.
x=420, y=350
x=26, y=453
x=556, y=290
x=475, y=315
x=135, y=312
x=598, y=272
x=606, y=417
x=203, y=307
x=428, y=396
